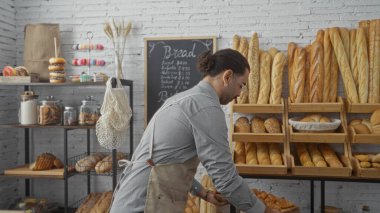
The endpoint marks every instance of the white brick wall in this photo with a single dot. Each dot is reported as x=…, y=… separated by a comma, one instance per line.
x=8, y=139
x=277, y=22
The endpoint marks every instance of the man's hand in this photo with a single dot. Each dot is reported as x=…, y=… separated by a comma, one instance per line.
x=269, y=210
x=214, y=197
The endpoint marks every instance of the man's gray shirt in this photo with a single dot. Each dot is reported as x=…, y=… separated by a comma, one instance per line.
x=191, y=126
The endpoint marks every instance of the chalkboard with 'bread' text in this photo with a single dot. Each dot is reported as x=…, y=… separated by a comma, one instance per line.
x=171, y=67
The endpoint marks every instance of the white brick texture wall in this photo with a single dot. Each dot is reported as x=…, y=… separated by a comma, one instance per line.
x=278, y=22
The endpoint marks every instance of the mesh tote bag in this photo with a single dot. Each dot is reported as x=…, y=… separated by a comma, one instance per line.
x=115, y=116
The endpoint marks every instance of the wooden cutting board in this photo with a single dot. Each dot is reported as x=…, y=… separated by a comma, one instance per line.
x=24, y=170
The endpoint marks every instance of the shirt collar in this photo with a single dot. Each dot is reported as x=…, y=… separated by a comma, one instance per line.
x=206, y=86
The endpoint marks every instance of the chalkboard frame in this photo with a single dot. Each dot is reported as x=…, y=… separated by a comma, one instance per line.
x=146, y=40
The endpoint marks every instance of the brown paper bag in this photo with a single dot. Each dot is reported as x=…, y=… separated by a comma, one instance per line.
x=39, y=47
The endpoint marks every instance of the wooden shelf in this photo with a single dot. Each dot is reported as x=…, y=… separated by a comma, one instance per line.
x=259, y=108
x=47, y=126
x=360, y=108
x=364, y=172
x=263, y=169
x=259, y=137
x=338, y=137
x=125, y=82
x=316, y=107
x=322, y=171
x=363, y=138
x=24, y=172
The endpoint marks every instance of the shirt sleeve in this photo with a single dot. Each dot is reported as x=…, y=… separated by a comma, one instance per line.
x=210, y=135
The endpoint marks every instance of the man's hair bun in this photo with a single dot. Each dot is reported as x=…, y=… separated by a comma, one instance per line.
x=206, y=62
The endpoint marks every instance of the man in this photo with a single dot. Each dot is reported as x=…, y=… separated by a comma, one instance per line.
x=190, y=128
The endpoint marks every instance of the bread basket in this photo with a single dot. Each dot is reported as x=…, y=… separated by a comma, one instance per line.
x=314, y=127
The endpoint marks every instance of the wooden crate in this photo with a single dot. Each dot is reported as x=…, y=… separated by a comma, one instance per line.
x=337, y=137
x=263, y=169
x=363, y=138
x=316, y=107
x=360, y=108
x=323, y=171
x=261, y=137
x=364, y=172
x=258, y=108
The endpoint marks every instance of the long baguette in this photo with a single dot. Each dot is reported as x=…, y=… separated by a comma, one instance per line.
x=361, y=46
x=354, y=57
x=307, y=74
x=243, y=46
x=365, y=25
x=327, y=51
x=316, y=77
x=371, y=57
x=298, y=75
x=376, y=63
x=235, y=42
x=254, y=75
x=291, y=50
x=334, y=77
x=345, y=36
x=348, y=79
x=320, y=36
x=278, y=65
x=272, y=52
x=265, y=85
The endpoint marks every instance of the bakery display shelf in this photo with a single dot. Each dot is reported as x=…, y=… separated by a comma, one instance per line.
x=363, y=138
x=91, y=171
x=364, y=172
x=246, y=169
x=258, y=108
x=340, y=136
x=316, y=107
x=360, y=108
x=53, y=85
x=260, y=137
x=298, y=169
x=17, y=125
x=24, y=171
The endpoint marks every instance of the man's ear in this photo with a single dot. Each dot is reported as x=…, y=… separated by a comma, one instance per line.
x=227, y=77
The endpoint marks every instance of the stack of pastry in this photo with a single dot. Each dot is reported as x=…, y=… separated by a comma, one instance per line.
x=274, y=202
x=57, y=70
x=257, y=153
x=265, y=77
x=46, y=161
x=96, y=203
x=368, y=160
x=317, y=156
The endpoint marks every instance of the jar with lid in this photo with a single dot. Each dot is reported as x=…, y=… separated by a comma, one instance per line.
x=89, y=111
x=50, y=111
x=70, y=116
x=28, y=108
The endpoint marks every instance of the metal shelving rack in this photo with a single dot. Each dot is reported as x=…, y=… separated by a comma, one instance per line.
x=66, y=129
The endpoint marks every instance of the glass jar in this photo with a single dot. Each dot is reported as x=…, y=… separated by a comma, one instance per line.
x=50, y=111
x=89, y=111
x=28, y=108
x=69, y=116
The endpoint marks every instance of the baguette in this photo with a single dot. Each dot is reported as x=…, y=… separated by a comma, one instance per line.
x=235, y=42
x=275, y=154
x=316, y=156
x=254, y=75
x=320, y=37
x=298, y=76
x=354, y=57
x=361, y=46
x=348, y=79
x=272, y=52
x=241, y=125
x=376, y=63
x=365, y=25
x=334, y=77
x=330, y=156
x=278, y=65
x=316, y=76
x=327, y=51
x=264, y=90
x=251, y=153
x=291, y=51
x=371, y=57
x=263, y=154
x=243, y=46
x=345, y=36
x=303, y=155
x=307, y=74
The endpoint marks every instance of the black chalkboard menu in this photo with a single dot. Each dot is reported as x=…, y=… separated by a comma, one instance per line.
x=171, y=67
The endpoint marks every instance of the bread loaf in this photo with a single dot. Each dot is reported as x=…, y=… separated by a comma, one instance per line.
x=275, y=154
x=257, y=125
x=89, y=202
x=303, y=155
x=327, y=51
x=272, y=52
x=272, y=125
x=361, y=129
x=372, y=94
x=365, y=164
x=362, y=65
x=263, y=154
x=316, y=76
x=307, y=74
x=376, y=63
x=375, y=158
x=298, y=76
x=365, y=25
x=348, y=79
x=44, y=161
x=368, y=124
x=105, y=165
x=291, y=53
x=355, y=121
x=278, y=65
x=242, y=126
x=334, y=76
x=254, y=75
x=316, y=156
x=354, y=57
x=330, y=156
x=320, y=37
x=103, y=203
x=235, y=42
x=243, y=46
x=345, y=36
x=264, y=90
x=251, y=153
x=88, y=163
x=362, y=157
